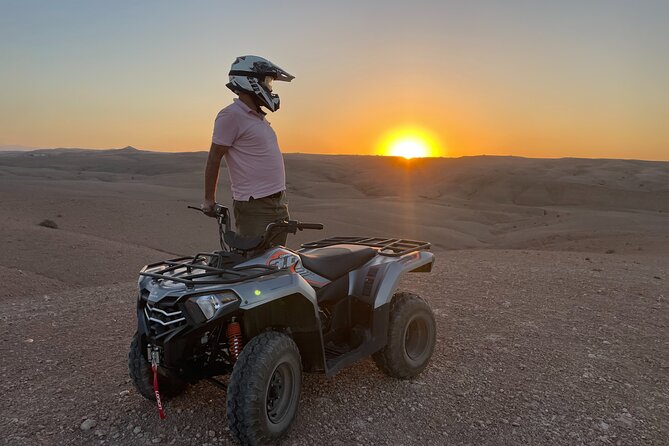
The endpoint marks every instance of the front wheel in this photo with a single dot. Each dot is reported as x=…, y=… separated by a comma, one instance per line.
x=412, y=334
x=142, y=375
x=264, y=389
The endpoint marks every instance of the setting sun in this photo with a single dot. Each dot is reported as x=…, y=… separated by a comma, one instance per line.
x=409, y=143
x=408, y=148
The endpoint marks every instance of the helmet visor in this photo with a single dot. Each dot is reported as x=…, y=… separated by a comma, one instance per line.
x=267, y=82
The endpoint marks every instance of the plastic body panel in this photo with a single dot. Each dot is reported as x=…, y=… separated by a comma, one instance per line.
x=376, y=281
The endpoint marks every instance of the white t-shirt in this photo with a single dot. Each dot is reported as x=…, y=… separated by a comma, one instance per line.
x=254, y=160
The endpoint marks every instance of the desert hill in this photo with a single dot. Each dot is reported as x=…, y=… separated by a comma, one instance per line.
x=118, y=209
x=472, y=202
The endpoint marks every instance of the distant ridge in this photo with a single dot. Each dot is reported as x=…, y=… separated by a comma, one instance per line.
x=16, y=148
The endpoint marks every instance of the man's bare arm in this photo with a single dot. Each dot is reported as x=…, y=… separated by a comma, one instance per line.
x=216, y=153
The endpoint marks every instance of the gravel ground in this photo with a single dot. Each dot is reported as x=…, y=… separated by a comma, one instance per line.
x=533, y=348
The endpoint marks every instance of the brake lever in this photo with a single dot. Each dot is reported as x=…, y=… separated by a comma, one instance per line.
x=212, y=214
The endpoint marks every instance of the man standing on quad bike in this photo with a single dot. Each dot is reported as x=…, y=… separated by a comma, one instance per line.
x=249, y=145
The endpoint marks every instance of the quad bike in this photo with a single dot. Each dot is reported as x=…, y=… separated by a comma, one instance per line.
x=263, y=314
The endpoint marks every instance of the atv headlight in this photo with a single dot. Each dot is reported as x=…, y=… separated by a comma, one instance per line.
x=210, y=303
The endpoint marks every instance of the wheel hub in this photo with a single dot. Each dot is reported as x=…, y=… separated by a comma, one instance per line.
x=416, y=339
x=279, y=393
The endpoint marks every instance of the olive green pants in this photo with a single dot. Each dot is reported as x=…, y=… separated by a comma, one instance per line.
x=253, y=216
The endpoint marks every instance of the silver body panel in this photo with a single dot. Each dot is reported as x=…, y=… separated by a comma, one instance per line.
x=298, y=280
x=389, y=272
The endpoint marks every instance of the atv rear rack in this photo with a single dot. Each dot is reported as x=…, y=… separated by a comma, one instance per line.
x=197, y=270
x=391, y=247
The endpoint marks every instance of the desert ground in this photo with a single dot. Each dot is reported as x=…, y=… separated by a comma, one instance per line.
x=550, y=289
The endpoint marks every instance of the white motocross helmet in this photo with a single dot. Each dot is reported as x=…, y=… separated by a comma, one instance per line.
x=254, y=75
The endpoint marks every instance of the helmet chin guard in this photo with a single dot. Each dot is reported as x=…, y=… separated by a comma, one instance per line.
x=254, y=75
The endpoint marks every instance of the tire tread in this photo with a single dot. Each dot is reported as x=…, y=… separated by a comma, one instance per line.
x=244, y=388
x=390, y=359
x=142, y=376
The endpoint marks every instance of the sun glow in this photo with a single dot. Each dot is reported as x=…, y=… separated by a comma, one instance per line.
x=409, y=142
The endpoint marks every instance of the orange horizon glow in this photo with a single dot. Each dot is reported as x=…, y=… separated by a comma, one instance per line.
x=409, y=142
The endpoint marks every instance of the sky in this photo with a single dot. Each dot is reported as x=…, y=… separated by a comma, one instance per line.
x=528, y=78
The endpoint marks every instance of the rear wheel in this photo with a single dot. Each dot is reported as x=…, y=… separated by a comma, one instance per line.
x=412, y=335
x=264, y=389
x=142, y=374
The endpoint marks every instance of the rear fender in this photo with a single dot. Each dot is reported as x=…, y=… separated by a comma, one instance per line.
x=377, y=281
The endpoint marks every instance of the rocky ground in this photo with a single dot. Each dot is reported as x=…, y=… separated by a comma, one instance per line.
x=527, y=353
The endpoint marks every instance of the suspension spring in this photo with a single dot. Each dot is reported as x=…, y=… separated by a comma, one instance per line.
x=235, y=340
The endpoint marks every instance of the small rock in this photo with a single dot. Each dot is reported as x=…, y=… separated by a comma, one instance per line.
x=137, y=430
x=603, y=426
x=48, y=224
x=98, y=433
x=124, y=392
x=88, y=424
x=155, y=440
x=625, y=420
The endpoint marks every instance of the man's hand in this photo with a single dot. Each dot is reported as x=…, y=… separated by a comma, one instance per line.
x=208, y=207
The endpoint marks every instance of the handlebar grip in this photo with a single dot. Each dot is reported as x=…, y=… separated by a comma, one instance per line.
x=311, y=226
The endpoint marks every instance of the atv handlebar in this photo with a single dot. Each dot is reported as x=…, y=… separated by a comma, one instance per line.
x=317, y=226
x=272, y=231
x=291, y=226
x=216, y=212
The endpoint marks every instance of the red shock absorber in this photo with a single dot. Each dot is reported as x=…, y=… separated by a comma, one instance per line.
x=235, y=341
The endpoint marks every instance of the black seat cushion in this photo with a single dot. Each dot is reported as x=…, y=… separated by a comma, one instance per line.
x=242, y=243
x=332, y=262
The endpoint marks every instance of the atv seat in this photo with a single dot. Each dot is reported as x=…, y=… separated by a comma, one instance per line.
x=242, y=243
x=332, y=262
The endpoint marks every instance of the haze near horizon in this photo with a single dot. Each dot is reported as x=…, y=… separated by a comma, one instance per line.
x=577, y=79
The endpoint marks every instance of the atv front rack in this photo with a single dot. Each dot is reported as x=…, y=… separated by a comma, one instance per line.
x=391, y=247
x=198, y=270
